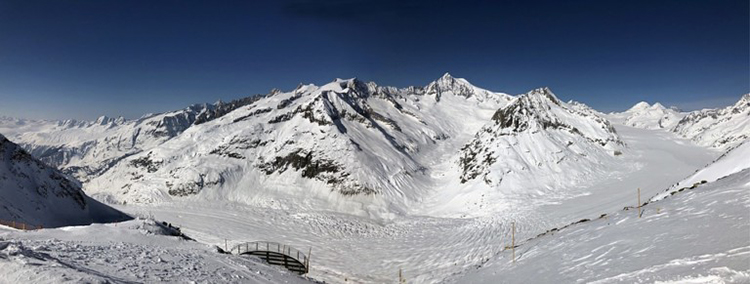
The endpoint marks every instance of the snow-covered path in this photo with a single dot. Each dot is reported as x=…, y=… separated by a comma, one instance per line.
x=429, y=249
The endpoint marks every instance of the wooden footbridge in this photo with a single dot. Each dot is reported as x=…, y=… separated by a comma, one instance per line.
x=275, y=254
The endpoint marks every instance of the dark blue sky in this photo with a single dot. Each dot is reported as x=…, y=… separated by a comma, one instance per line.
x=82, y=59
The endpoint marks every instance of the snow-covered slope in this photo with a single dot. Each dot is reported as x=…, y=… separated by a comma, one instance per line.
x=537, y=133
x=348, y=145
x=85, y=149
x=35, y=194
x=718, y=128
x=534, y=148
x=733, y=161
x=699, y=235
x=128, y=252
x=643, y=115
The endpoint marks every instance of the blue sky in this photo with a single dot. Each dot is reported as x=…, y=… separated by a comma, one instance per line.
x=82, y=59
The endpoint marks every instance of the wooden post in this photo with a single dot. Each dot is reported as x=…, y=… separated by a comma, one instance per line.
x=307, y=267
x=400, y=277
x=639, y=202
x=513, y=241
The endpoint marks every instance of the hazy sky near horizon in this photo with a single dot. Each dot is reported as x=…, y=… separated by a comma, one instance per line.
x=83, y=59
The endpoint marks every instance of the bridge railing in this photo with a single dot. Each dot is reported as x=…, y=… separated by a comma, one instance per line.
x=272, y=247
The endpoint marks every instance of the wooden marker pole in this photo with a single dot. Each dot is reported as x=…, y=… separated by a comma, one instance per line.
x=307, y=267
x=513, y=242
x=400, y=277
x=639, y=202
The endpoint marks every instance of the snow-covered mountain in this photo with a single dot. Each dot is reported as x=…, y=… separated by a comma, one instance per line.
x=416, y=160
x=643, y=115
x=352, y=145
x=35, y=194
x=718, y=128
x=535, y=148
x=86, y=149
x=348, y=145
x=539, y=137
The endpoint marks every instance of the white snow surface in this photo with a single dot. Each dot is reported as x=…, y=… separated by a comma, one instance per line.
x=701, y=235
x=733, y=161
x=35, y=194
x=128, y=252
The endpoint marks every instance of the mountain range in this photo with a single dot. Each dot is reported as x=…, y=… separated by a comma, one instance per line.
x=357, y=147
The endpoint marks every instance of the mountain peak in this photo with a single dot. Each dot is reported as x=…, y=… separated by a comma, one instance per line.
x=639, y=107
x=450, y=84
x=658, y=106
x=448, y=80
x=545, y=92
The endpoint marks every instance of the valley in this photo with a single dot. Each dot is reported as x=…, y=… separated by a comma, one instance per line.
x=430, y=248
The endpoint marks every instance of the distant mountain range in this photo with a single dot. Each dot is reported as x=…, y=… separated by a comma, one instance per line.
x=720, y=128
x=356, y=147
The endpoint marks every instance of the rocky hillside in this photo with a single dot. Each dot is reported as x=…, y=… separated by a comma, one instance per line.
x=718, y=128
x=35, y=194
x=537, y=139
